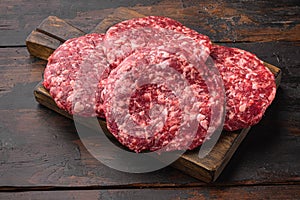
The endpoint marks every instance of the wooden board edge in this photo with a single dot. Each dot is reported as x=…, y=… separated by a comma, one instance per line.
x=205, y=173
x=213, y=172
x=185, y=164
x=49, y=35
x=209, y=166
x=59, y=29
x=42, y=96
x=120, y=14
x=235, y=144
x=41, y=45
x=192, y=169
x=276, y=71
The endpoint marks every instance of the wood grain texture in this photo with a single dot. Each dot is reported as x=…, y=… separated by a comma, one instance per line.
x=196, y=193
x=19, y=17
x=206, y=169
x=53, y=31
x=52, y=155
x=47, y=37
x=59, y=29
x=223, y=21
x=120, y=14
x=41, y=45
x=233, y=21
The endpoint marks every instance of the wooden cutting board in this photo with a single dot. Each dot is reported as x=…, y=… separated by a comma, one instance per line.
x=54, y=31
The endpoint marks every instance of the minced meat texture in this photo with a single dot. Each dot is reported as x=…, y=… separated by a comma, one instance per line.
x=162, y=33
x=250, y=86
x=155, y=100
x=73, y=72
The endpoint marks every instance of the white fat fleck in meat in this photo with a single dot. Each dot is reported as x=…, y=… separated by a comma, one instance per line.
x=68, y=66
x=254, y=86
x=78, y=107
x=242, y=107
x=166, y=115
x=204, y=124
x=200, y=117
x=150, y=33
x=70, y=98
x=248, y=86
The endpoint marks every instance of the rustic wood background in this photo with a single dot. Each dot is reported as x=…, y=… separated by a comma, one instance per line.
x=41, y=156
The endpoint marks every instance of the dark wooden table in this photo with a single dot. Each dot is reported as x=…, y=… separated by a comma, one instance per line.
x=41, y=156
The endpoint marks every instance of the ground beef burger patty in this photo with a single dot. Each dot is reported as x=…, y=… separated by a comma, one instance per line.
x=73, y=72
x=160, y=32
x=249, y=85
x=155, y=100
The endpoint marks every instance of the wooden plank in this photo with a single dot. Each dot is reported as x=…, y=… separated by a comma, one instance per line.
x=49, y=35
x=199, y=193
x=233, y=21
x=120, y=14
x=210, y=167
x=51, y=154
x=225, y=21
x=17, y=68
x=59, y=29
x=19, y=18
x=62, y=30
x=53, y=31
x=41, y=45
x=206, y=169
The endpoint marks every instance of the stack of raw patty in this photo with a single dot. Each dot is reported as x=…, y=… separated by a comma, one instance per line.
x=149, y=78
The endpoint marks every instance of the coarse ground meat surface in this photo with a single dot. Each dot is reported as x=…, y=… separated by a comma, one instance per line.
x=156, y=100
x=73, y=72
x=147, y=77
x=162, y=33
x=250, y=86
